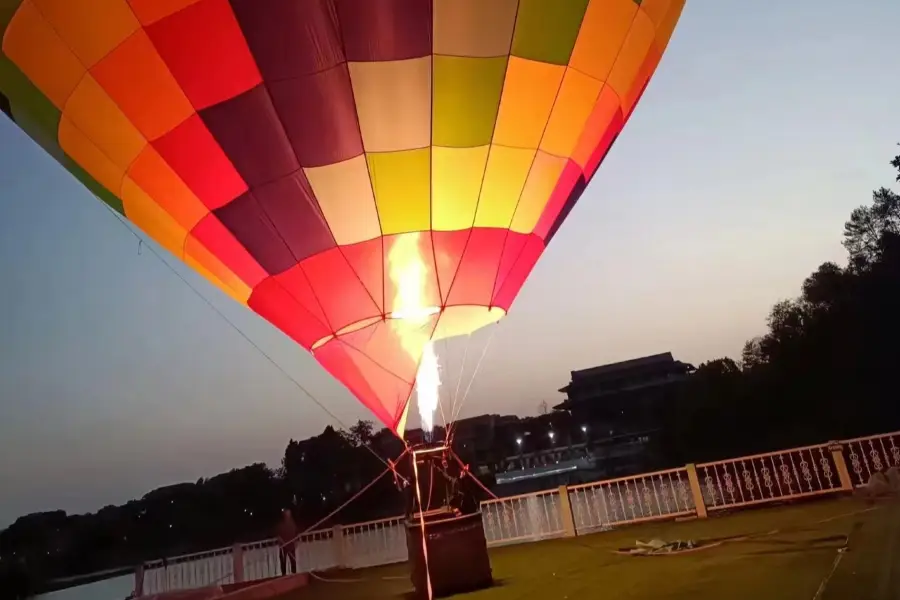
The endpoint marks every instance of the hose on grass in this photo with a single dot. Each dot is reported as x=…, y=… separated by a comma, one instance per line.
x=716, y=542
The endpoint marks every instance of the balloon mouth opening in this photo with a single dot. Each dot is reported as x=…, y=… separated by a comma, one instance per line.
x=412, y=333
x=455, y=320
x=422, y=314
x=418, y=314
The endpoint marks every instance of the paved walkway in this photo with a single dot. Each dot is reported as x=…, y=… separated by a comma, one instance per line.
x=870, y=568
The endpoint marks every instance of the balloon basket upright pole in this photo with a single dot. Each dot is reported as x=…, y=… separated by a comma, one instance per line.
x=447, y=550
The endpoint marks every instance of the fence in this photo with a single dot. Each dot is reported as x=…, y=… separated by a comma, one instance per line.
x=568, y=511
x=353, y=546
x=604, y=504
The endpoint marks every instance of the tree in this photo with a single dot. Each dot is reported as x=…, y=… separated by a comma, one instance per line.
x=316, y=476
x=702, y=420
x=896, y=164
x=825, y=367
x=752, y=355
x=362, y=433
x=825, y=286
x=324, y=472
x=870, y=228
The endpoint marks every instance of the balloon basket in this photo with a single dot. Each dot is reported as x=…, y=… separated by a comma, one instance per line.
x=458, y=560
x=454, y=554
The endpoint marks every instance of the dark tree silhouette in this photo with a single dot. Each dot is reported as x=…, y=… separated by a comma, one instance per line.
x=362, y=433
x=896, y=164
x=870, y=228
x=825, y=367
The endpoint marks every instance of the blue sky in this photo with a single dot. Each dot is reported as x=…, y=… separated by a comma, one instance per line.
x=766, y=123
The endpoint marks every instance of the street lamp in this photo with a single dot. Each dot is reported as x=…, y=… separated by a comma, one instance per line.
x=552, y=436
x=584, y=429
x=519, y=441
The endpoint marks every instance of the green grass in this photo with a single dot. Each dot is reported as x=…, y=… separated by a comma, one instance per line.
x=788, y=564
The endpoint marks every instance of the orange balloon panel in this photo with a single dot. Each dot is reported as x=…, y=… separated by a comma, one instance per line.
x=368, y=176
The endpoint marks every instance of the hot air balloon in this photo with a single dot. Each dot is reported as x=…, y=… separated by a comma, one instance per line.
x=367, y=175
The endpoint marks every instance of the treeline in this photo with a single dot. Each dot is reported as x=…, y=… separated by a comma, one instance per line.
x=826, y=368
x=316, y=476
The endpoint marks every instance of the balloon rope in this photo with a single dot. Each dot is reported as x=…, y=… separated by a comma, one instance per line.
x=345, y=504
x=296, y=383
x=430, y=485
x=487, y=345
x=462, y=369
x=422, y=526
x=443, y=414
x=293, y=540
x=440, y=401
x=465, y=469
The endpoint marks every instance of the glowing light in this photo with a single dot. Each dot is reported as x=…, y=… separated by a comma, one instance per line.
x=428, y=380
x=410, y=318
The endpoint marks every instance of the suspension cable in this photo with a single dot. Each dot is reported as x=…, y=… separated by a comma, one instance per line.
x=246, y=337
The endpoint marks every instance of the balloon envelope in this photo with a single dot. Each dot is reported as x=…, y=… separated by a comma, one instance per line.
x=367, y=175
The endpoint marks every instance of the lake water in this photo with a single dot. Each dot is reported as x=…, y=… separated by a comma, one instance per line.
x=117, y=588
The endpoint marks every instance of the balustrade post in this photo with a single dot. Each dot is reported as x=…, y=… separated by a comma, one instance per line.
x=237, y=562
x=696, y=490
x=339, y=547
x=565, y=513
x=139, y=580
x=837, y=455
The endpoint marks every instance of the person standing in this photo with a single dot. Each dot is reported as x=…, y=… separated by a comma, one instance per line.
x=287, y=543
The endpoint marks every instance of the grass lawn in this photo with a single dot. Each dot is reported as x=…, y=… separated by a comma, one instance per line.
x=788, y=564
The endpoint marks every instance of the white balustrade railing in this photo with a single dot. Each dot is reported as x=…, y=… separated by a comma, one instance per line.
x=197, y=570
x=355, y=546
x=574, y=510
x=315, y=551
x=260, y=560
x=770, y=477
x=869, y=455
x=374, y=543
x=529, y=517
x=601, y=505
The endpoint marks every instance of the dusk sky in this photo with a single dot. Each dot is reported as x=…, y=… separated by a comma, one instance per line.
x=765, y=125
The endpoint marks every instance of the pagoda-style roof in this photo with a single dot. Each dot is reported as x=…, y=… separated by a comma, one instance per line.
x=628, y=375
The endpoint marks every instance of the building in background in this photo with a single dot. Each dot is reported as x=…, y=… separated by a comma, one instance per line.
x=608, y=426
x=623, y=405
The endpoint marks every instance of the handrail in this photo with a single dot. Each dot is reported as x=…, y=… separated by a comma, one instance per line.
x=768, y=454
x=158, y=562
x=591, y=484
x=375, y=522
x=517, y=496
x=868, y=438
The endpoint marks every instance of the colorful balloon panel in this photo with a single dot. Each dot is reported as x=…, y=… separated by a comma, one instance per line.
x=365, y=175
